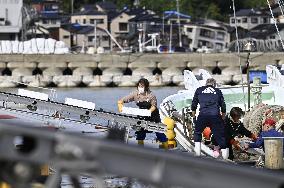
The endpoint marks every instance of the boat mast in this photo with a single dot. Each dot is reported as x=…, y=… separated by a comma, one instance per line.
x=180, y=43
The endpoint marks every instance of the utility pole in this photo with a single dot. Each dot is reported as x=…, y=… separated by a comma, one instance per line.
x=180, y=43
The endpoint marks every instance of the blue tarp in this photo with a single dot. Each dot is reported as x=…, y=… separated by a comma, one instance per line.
x=258, y=73
x=172, y=12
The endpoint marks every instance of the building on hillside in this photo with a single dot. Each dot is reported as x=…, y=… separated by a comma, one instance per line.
x=242, y=33
x=264, y=38
x=249, y=18
x=90, y=17
x=49, y=20
x=277, y=12
x=76, y=35
x=207, y=34
x=11, y=19
x=120, y=25
x=126, y=25
x=49, y=17
x=46, y=6
x=267, y=31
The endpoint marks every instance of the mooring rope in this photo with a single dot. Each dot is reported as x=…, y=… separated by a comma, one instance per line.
x=274, y=20
x=280, y=3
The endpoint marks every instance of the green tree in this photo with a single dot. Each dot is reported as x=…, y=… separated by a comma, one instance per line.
x=213, y=12
x=255, y=3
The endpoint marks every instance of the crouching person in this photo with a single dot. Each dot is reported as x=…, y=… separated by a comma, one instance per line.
x=268, y=130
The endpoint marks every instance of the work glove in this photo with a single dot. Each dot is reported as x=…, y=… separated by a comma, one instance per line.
x=236, y=144
x=253, y=137
x=152, y=109
x=119, y=106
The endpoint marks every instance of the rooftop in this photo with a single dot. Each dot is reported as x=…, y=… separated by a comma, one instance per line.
x=175, y=14
x=106, y=5
x=147, y=18
x=89, y=12
x=79, y=29
x=251, y=12
x=49, y=16
x=264, y=30
x=135, y=11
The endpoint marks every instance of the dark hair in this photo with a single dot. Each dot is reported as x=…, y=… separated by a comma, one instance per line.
x=144, y=82
x=236, y=112
x=211, y=82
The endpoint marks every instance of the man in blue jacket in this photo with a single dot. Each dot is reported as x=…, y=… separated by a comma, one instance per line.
x=268, y=130
x=212, y=111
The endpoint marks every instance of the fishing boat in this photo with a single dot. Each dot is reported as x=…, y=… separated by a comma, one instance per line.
x=177, y=106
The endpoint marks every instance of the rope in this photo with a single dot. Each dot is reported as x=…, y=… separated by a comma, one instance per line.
x=238, y=47
x=274, y=20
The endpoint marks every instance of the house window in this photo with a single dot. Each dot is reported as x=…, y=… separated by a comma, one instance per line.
x=45, y=21
x=53, y=22
x=123, y=26
x=100, y=21
x=2, y=19
x=92, y=21
x=84, y=21
x=272, y=37
x=244, y=20
x=232, y=20
x=239, y=20
x=220, y=36
x=66, y=37
x=206, y=33
x=105, y=38
x=189, y=30
x=265, y=20
x=91, y=38
x=204, y=43
x=254, y=20
x=219, y=46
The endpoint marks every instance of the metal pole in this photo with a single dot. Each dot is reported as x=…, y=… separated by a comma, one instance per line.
x=248, y=80
x=171, y=30
x=180, y=43
x=72, y=6
x=163, y=24
x=95, y=43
